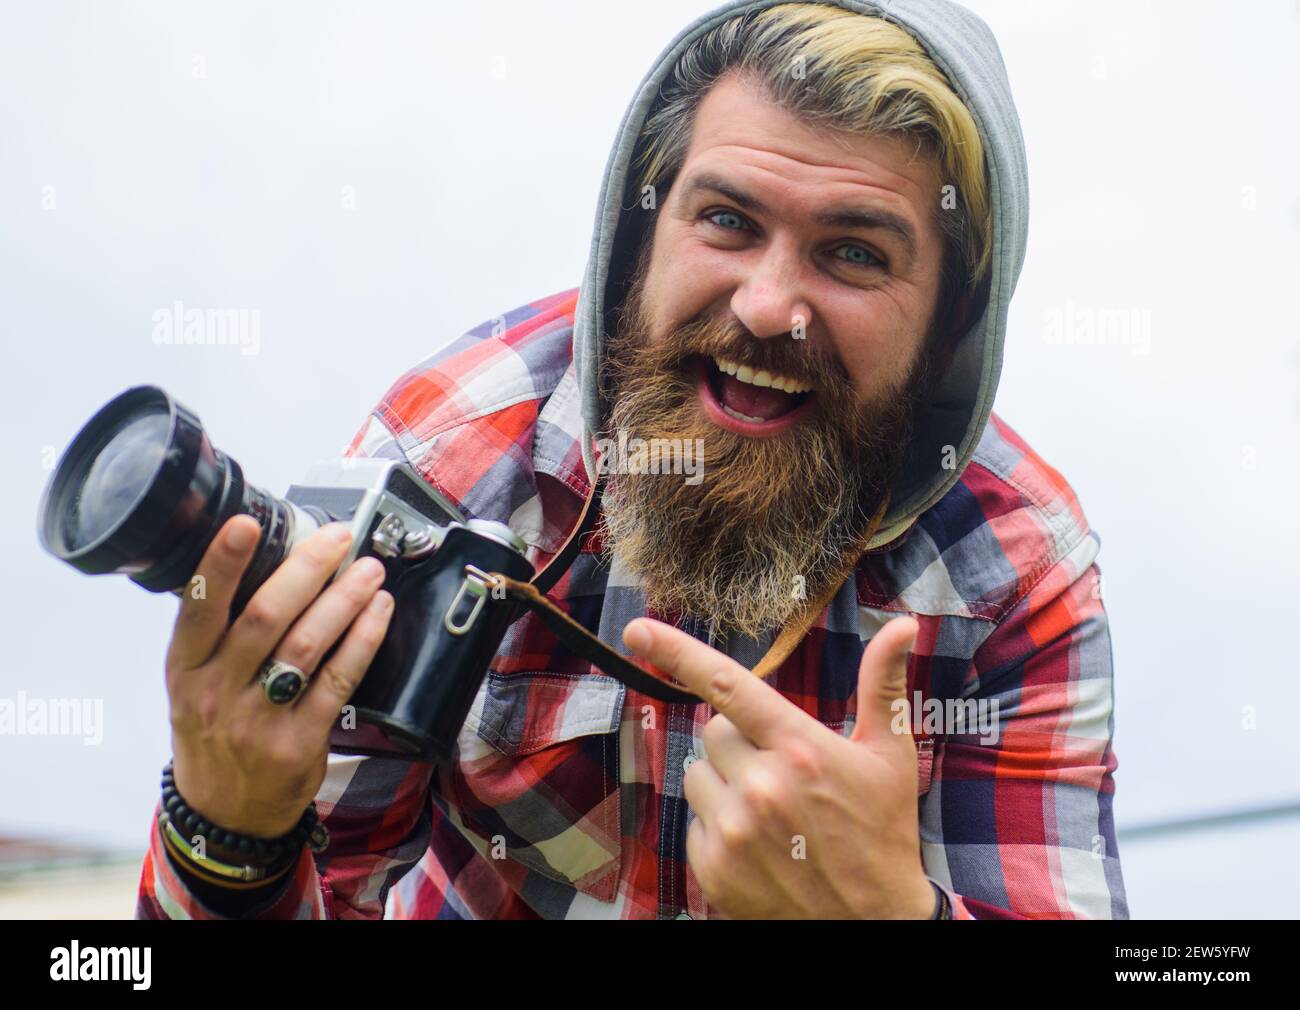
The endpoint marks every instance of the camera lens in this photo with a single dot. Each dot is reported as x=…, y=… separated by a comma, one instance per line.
x=117, y=479
x=141, y=491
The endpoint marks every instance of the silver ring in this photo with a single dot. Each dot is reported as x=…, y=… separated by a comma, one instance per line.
x=281, y=681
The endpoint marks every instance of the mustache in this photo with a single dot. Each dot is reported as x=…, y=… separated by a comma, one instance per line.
x=795, y=358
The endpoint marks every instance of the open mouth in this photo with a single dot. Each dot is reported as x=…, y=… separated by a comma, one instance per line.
x=748, y=402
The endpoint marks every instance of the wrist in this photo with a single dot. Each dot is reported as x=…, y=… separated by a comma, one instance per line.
x=926, y=901
x=225, y=806
x=226, y=856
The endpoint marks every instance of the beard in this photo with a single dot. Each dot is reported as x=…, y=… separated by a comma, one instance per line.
x=774, y=522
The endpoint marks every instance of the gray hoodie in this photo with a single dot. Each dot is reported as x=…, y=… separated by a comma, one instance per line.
x=962, y=46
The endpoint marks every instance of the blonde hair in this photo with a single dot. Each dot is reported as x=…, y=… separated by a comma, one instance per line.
x=856, y=73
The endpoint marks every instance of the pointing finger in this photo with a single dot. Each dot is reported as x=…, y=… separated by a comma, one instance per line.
x=758, y=710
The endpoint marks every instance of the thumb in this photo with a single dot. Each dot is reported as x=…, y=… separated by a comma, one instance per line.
x=882, y=682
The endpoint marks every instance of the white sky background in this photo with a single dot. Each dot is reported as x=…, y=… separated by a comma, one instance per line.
x=1164, y=159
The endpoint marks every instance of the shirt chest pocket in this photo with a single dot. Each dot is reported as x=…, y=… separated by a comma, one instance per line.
x=924, y=764
x=925, y=755
x=537, y=776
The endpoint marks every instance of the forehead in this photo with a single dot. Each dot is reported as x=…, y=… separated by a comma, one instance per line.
x=800, y=169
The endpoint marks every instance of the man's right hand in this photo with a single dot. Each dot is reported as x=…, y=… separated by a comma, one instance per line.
x=240, y=761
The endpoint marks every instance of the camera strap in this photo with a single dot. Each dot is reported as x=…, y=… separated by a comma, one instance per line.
x=581, y=641
x=532, y=596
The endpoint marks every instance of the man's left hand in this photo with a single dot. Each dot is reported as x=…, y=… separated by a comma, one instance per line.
x=792, y=819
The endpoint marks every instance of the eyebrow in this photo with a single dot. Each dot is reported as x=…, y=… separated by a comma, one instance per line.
x=837, y=217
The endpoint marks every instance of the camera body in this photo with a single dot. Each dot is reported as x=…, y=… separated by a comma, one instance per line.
x=141, y=491
x=447, y=621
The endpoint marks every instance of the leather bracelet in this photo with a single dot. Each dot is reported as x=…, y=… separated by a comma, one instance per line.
x=228, y=858
x=213, y=871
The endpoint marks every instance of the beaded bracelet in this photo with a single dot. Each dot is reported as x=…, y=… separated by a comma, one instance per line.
x=252, y=860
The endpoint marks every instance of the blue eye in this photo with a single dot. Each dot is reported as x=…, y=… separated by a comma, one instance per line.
x=730, y=215
x=864, y=257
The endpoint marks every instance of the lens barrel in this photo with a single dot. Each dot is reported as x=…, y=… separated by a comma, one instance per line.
x=141, y=491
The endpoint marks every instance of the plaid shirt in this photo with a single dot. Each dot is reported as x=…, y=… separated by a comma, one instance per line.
x=565, y=798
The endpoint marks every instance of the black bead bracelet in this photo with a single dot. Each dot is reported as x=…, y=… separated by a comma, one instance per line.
x=266, y=852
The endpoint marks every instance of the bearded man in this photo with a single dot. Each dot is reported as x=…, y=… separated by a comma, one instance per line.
x=807, y=238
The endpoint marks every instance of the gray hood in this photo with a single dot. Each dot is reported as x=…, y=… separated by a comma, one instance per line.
x=962, y=46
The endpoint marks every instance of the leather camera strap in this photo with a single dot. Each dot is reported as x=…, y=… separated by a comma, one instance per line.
x=581, y=641
x=578, y=639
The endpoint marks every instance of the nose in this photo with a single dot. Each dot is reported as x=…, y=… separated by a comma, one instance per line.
x=770, y=301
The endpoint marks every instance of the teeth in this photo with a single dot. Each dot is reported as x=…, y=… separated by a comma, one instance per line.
x=742, y=417
x=746, y=374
